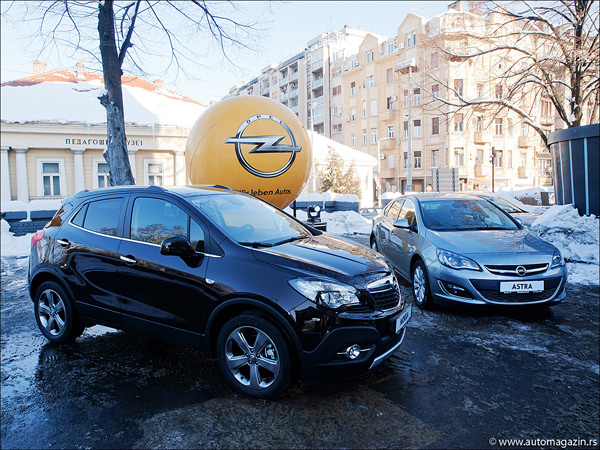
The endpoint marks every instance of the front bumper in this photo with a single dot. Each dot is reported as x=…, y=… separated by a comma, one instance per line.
x=483, y=288
x=378, y=342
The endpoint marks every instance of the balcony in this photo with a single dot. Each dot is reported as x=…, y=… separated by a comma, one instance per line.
x=319, y=118
x=523, y=141
x=523, y=172
x=265, y=91
x=293, y=76
x=388, y=144
x=294, y=109
x=283, y=97
x=389, y=114
x=293, y=93
x=317, y=65
x=478, y=137
x=478, y=170
x=317, y=83
x=389, y=173
x=318, y=101
x=283, y=81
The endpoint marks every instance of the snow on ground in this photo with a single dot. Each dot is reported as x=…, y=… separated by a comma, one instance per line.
x=14, y=246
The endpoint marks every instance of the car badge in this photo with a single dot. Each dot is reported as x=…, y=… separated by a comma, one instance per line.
x=521, y=271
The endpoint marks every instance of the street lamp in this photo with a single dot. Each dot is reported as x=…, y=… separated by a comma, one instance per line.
x=379, y=169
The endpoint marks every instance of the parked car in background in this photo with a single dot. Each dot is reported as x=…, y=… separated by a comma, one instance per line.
x=219, y=270
x=370, y=213
x=526, y=218
x=462, y=249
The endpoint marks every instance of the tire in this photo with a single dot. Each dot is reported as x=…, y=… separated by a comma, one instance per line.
x=263, y=372
x=420, y=285
x=55, y=315
x=374, y=246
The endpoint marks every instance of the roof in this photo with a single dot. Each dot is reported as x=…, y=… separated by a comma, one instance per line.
x=60, y=96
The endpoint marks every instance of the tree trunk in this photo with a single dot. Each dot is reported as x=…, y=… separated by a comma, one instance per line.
x=116, y=148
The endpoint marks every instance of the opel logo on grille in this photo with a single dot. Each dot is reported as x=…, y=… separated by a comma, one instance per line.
x=521, y=271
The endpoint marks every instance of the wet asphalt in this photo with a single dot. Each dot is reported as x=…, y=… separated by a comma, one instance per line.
x=461, y=379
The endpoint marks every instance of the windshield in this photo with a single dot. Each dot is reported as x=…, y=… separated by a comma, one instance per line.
x=504, y=204
x=464, y=214
x=249, y=221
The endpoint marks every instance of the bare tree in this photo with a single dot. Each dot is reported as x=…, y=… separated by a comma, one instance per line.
x=132, y=30
x=537, y=52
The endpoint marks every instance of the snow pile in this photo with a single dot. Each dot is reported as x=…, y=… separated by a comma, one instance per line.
x=346, y=222
x=328, y=196
x=34, y=205
x=513, y=196
x=14, y=246
x=577, y=238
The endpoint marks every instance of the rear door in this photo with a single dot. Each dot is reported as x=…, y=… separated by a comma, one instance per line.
x=162, y=294
x=403, y=241
x=386, y=226
x=85, y=250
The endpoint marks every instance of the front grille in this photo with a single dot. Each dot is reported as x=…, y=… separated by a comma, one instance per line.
x=510, y=270
x=490, y=290
x=387, y=299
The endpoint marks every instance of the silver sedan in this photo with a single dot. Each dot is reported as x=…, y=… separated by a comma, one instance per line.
x=462, y=249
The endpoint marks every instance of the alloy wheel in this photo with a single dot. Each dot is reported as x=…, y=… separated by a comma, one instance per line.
x=419, y=285
x=51, y=312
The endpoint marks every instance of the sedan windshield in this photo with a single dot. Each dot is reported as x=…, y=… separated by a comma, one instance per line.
x=249, y=221
x=464, y=214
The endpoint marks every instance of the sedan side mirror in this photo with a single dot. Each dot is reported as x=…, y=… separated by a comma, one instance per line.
x=402, y=223
x=177, y=246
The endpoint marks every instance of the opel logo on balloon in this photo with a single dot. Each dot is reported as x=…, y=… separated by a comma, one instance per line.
x=264, y=144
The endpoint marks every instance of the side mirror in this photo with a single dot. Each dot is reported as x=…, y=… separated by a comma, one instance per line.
x=177, y=246
x=401, y=223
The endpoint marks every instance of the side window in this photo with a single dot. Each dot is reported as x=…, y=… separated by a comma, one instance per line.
x=196, y=236
x=392, y=212
x=408, y=212
x=154, y=220
x=101, y=216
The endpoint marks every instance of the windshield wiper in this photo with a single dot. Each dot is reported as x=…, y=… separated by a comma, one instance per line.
x=256, y=244
x=291, y=239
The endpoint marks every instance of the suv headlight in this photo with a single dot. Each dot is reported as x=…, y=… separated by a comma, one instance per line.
x=456, y=261
x=557, y=259
x=326, y=292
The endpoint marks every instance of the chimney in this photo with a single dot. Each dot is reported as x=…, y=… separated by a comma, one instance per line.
x=158, y=83
x=80, y=73
x=39, y=67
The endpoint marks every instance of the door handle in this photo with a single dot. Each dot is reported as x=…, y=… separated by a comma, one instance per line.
x=64, y=242
x=128, y=260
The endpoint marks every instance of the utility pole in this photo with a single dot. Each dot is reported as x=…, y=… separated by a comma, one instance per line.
x=493, y=161
x=408, y=186
x=379, y=181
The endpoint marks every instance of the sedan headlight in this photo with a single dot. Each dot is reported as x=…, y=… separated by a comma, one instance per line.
x=557, y=259
x=456, y=261
x=326, y=292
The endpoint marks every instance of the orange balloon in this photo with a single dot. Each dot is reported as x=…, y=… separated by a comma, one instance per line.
x=252, y=144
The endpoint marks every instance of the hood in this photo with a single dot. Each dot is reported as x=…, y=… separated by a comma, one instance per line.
x=327, y=256
x=478, y=242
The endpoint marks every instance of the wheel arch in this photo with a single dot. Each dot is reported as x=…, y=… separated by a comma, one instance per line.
x=41, y=277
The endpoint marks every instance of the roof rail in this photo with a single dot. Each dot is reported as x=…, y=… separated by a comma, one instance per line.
x=156, y=188
x=218, y=186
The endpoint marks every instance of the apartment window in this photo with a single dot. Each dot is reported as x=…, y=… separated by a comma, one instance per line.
x=364, y=108
x=390, y=76
x=353, y=88
x=498, y=158
x=337, y=110
x=391, y=47
x=408, y=40
x=154, y=170
x=390, y=131
x=510, y=127
x=546, y=108
x=480, y=155
x=498, y=130
x=435, y=61
x=353, y=139
x=417, y=159
x=509, y=158
x=458, y=122
x=373, y=107
x=364, y=136
x=406, y=128
x=51, y=177
x=498, y=91
x=370, y=56
x=371, y=80
x=523, y=159
x=478, y=123
x=337, y=90
x=405, y=160
x=458, y=87
x=417, y=128
x=435, y=126
x=390, y=162
x=523, y=129
x=390, y=103
x=480, y=90
x=353, y=115
x=435, y=158
x=337, y=128
x=101, y=174
x=435, y=91
x=417, y=96
x=414, y=38
x=406, y=98
x=459, y=156
x=373, y=135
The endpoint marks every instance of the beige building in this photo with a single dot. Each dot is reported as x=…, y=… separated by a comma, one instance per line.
x=54, y=131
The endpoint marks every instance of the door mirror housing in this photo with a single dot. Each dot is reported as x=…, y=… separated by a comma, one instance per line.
x=402, y=223
x=177, y=246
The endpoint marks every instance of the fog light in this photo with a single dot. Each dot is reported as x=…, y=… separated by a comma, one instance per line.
x=353, y=351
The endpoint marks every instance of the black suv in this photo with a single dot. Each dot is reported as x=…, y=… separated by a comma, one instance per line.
x=222, y=271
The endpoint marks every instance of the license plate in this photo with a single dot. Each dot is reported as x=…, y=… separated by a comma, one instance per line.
x=403, y=319
x=511, y=287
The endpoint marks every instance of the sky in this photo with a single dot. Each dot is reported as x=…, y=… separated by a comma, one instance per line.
x=286, y=28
